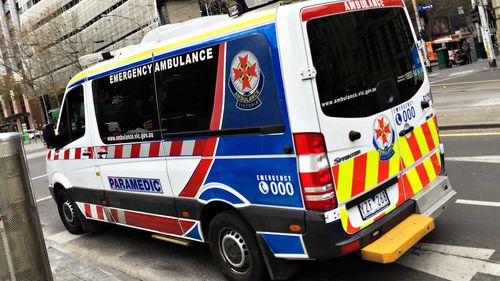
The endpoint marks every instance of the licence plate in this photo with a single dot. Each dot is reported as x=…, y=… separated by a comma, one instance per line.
x=372, y=205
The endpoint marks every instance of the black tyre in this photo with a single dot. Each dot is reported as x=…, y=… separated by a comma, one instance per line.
x=68, y=211
x=235, y=248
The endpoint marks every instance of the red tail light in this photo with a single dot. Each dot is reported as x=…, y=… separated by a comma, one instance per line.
x=315, y=172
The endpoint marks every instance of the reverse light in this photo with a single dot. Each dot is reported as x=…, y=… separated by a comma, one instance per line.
x=314, y=171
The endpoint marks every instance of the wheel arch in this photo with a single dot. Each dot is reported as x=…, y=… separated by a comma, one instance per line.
x=212, y=209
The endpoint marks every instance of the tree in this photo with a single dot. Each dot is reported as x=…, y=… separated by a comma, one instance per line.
x=41, y=51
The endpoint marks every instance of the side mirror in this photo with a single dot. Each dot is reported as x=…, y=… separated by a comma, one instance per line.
x=49, y=135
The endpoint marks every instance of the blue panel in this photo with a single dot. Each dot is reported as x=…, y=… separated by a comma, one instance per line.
x=272, y=109
x=217, y=193
x=266, y=181
x=194, y=233
x=284, y=244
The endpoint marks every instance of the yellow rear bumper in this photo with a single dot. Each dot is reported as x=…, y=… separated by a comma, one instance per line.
x=398, y=240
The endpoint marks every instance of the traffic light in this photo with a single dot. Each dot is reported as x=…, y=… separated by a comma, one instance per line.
x=475, y=15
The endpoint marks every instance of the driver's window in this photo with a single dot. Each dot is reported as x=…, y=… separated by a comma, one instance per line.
x=72, y=122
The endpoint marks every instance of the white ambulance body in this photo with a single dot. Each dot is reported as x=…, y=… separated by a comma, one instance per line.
x=292, y=132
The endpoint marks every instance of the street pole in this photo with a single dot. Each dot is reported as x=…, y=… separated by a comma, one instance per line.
x=420, y=26
x=485, y=29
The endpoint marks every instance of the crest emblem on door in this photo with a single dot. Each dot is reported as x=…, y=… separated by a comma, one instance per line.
x=383, y=137
x=246, y=80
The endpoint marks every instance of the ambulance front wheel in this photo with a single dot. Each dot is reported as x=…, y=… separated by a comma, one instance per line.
x=235, y=248
x=69, y=213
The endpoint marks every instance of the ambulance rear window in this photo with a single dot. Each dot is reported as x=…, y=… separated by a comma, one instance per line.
x=356, y=53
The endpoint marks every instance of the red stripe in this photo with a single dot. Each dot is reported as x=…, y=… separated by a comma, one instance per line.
x=199, y=147
x=91, y=151
x=196, y=179
x=340, y=7
x=428, y=136
x=135, y=151
x=176, y=148
x=49, y=154
x=435, y=163
x=422, y=175
x=156, y=223
x=210, y=147
x=118, y=151
x=100, y=212
x=401, y=193
x=56, y=155
x=66, y=154
x=88, y=213
x=114, y=215
x=154, y=149
x=186, y=225
x=358, y=179
x=406, y=184
x=335, y=172
x=415, y=150
x=78, y=153
x=383, y=170
x=219, y=89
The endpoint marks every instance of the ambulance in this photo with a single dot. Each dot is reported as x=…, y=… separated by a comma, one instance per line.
x=295, y=131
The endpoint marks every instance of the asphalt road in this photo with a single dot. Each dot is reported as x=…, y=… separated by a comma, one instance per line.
x=473, y=226
x=466, y=95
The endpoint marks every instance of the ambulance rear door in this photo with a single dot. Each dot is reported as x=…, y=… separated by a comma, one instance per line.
x=369, y=74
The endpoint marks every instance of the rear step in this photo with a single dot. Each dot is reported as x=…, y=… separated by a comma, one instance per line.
x=172, y=239
x=392, y=245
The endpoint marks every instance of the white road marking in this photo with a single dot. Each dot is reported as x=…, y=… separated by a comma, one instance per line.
x=487, y=102
x=39, y=177
x=480, y=159
x=478, y=203
x=43, y=199
x=434, y=74
x=471, y=134
x=462, y=73
x=450, y=262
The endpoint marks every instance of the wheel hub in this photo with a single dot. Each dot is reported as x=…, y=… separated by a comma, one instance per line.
x=234, y=250
x=68, y=211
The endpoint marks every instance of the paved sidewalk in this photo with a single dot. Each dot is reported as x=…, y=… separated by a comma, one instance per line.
x=67, y=267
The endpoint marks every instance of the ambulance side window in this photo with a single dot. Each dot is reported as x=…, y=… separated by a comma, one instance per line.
x=186, y=89
x=72, y=121
x=125, y=106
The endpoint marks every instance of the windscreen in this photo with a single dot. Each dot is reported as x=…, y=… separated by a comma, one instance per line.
x=359, y=56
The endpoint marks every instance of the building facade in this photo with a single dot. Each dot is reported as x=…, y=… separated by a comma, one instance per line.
x=64, y=30
x=496, y=9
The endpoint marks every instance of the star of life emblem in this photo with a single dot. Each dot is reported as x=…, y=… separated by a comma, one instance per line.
x=246, y=80
x=383, y=137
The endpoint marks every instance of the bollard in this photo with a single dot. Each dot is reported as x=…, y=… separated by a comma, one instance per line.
x=23, y=255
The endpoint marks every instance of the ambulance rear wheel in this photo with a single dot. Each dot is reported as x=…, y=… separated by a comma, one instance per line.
x=69, y=213
x=235, y=248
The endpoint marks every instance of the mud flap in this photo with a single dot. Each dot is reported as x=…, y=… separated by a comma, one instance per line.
x=279, y=269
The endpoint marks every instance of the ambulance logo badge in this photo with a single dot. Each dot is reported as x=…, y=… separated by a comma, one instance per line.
x=383, y=137
x=246, y=80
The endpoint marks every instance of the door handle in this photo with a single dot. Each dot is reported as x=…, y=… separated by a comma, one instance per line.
x=404, y=132
x=86, y=153
x=102, y=152
x=354, y=135
x=424, y=104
